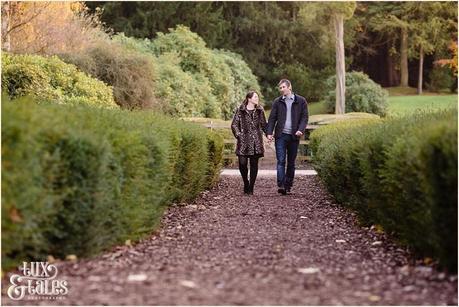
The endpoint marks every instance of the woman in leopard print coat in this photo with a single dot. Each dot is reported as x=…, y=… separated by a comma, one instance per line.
x=248, y=125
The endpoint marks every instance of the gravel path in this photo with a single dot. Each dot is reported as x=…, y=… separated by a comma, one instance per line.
x=230, y=249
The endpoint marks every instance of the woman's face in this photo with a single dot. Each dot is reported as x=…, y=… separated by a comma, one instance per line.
x=254, y=98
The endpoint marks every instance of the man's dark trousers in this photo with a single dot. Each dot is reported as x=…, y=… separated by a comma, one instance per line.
x=286, y=151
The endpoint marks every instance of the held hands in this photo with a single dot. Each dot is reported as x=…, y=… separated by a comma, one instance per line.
x=270, y=138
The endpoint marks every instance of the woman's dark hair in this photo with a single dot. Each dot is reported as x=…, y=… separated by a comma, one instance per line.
x=248, y=96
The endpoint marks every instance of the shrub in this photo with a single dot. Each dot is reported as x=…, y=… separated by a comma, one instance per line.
x=131, y=73
x=333, y=155
x=400, y=173
x=422, y=182
x=187, y=95
x=244, y=79
x=305, y=81
x=441, y=78
x=362, y=94
x=204, y=63
x=48, y=28
x=183, y=93
x=49, y=78
x=77, y=180
x=193, y=79
x=198, y=60
x=215, y=156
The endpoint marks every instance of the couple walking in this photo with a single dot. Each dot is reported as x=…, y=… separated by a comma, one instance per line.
x=288, y=120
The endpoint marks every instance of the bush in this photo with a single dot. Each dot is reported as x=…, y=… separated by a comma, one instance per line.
x=244, y=79
x=362, y=94
x=131, y=73
x=77, y=180
x=215, y=155
x=441, y=78
x=50, y=79
x=422, y=183
x=193, y=79
x=186, y=94
x=198, y=60
x=333, y=157
x=400, y=173
x=204, y=63
x=48, y=28
x=305, y=80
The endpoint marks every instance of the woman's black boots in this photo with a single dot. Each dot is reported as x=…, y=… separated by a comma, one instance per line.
x=246, y=186
x=250, y=189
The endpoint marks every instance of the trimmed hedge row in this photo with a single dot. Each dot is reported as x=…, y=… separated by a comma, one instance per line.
x=76, y=180
x=400, y=173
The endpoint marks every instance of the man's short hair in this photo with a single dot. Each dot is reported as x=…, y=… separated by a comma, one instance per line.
x=287, y=82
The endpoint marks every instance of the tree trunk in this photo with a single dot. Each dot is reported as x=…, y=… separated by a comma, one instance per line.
x=393, y=74
x=404, y=58
x=340, y=68
x=6, y=25
x=421, y=68
x=390, y=68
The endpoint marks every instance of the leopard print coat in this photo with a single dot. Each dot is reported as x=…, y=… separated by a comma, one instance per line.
x=248, y=130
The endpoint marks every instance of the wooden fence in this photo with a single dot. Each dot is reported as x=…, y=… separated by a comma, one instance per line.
x=230, y=157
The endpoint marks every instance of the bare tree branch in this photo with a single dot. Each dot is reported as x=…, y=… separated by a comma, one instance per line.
x=29, y=20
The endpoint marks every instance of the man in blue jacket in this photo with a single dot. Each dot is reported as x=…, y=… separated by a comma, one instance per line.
x=288, y=120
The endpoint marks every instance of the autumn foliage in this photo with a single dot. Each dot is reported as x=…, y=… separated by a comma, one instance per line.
x=452, y=63
x=48, y=27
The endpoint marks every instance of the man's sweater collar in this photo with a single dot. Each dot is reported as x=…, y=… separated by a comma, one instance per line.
x=291, y=96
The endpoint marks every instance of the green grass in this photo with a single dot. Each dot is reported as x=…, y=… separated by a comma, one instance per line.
x=324, y=119
x=408, y=104
x=409, y=91
x=204, y=120
x=315, y=108
x=219, y=126
x=399, y=104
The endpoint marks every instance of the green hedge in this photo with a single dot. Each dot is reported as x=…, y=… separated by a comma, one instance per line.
x=77, y=180
x=400, y=173
x=50, y=79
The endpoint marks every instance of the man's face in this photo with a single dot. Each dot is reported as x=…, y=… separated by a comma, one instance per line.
x=284, y=89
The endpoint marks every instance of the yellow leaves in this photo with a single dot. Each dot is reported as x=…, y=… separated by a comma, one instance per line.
x=45, y=27
x=71, y=257
x=14, y=215
x=453, y=48
x=428, y=260
x=374, y=298
x=50, y=259
x=393, y=51
x=77, y=6
x=452, y=63
x=379, y=229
